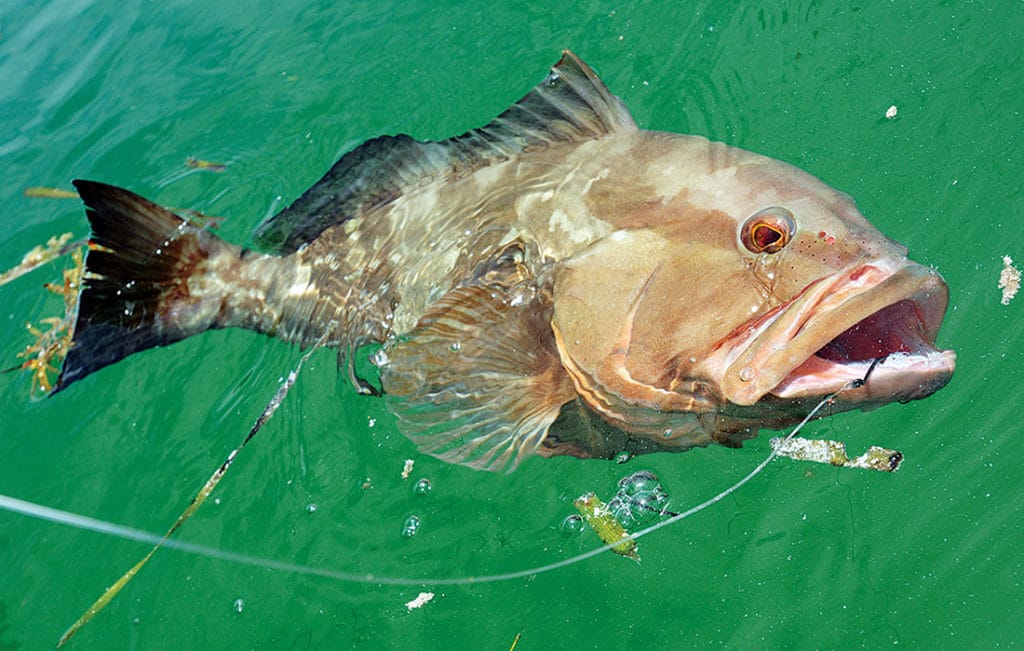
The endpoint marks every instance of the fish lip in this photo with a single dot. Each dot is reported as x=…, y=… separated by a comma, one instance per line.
x=789, y=353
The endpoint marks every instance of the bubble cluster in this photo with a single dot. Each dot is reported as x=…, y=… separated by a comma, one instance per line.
x=640, y=500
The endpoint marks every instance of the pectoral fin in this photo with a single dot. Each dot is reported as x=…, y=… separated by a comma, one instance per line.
x=479, y=380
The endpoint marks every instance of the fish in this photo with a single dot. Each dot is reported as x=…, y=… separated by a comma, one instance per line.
x=556, y=282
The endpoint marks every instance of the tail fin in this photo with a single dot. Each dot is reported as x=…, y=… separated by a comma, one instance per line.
x=136, y=290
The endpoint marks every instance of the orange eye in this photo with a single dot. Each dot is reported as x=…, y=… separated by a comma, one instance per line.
x=768, y=230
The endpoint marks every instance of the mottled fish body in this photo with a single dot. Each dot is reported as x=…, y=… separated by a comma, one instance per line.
x=558, y=281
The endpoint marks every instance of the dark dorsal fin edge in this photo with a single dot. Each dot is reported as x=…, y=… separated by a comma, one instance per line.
x=570, y=105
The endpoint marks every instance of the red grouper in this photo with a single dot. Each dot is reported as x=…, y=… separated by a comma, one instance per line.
x=558, y=281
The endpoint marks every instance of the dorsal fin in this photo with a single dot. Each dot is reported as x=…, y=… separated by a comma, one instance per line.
x=570, y=105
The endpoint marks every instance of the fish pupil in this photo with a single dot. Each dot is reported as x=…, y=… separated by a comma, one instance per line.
x=765, y=236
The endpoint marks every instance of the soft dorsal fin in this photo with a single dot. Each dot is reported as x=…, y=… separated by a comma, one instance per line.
x=570, y=105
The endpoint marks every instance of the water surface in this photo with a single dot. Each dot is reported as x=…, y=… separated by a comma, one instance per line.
x=804, y=556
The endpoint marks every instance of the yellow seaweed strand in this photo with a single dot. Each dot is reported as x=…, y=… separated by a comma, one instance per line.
x=200, y=497
x=603, y=522
x=45, y=355
x=200, y=164
x=41, y=192
x=55, y=247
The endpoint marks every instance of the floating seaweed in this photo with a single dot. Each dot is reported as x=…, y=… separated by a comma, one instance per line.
x=638, y=503
x=52, y=334
x=834, y=453
x=606, y=526
x=200, y=164
x=41, y=192
x=192, y=216
x=55, y=247
x=200, y=497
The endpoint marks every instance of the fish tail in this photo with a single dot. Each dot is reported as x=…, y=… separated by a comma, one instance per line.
x=143, y=284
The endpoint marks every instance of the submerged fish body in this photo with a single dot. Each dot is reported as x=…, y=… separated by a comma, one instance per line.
x=558, y=281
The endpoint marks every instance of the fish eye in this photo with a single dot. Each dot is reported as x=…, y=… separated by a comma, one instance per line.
x=768, y=230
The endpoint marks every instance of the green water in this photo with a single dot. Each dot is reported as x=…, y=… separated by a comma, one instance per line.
x=804, y=556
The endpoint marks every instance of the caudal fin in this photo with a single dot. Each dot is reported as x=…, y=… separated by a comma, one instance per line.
x=142, y=282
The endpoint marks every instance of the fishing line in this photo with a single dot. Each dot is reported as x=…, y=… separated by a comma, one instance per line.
x=200, y=497
x=75, y=520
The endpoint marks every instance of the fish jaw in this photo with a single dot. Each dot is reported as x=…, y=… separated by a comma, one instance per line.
x=878, y=320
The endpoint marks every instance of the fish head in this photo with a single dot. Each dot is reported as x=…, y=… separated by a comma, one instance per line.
x=734, y=292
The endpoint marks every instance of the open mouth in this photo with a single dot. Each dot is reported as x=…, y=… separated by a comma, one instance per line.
x=891, y=344
x=874, y=319
x=893, y=329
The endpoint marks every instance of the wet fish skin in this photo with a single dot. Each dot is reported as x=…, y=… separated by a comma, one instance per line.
x=558, y=281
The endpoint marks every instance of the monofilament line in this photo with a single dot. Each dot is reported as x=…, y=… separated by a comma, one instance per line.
x=91, y=524
x=197, y=501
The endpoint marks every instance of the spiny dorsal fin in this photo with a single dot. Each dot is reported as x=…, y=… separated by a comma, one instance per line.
x=479, y=380
x=570, y=105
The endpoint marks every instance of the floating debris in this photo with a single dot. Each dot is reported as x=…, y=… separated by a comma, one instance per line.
x=407, y=470
x=52, y=334
x=638, y=503
x=39, y=255
x=834, y=453
x=200, y=497
x=891, y=112
x=1009, y=280
x=606, y=526
x=421, y=600
x=200, y=164
x=40, y=192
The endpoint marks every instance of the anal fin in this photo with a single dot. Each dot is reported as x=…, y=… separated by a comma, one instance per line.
x=479, y=380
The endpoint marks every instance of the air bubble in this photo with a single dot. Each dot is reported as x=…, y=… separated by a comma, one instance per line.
x=572, y=525
x=311, y=507
x=421, y=487
x=239, y=605
x=640, y=481
x=411, y=526
x=746, y=374
x=455, y=347
x=623, y=457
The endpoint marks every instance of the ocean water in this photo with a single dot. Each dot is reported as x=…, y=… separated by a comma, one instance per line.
x=804, y=556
